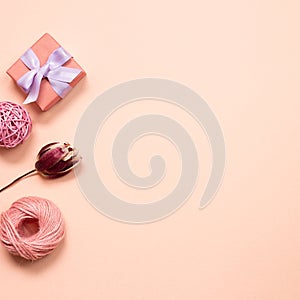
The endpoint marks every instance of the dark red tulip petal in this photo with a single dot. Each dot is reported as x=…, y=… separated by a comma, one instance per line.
x=46, y=148
x=49, y=159
x=62, y=167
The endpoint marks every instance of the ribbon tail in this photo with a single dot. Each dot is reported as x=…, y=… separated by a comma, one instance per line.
x=26, y=81
x=35, y=89
x=64, y=74
x=60, y=78
x=59, y=87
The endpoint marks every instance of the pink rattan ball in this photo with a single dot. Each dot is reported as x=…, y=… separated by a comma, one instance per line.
x=15, y=124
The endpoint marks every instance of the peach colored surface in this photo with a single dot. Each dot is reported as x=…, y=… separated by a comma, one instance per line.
x=243, y=57
x=43, y=47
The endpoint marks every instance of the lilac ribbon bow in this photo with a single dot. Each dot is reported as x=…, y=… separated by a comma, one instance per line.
x=59, y=77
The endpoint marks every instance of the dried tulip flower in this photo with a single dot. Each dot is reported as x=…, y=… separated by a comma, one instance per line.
x=53, y=160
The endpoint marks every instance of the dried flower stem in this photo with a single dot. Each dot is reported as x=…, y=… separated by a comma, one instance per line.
x=17, y=179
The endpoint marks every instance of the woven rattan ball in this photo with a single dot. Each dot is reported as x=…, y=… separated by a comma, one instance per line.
x=15, y=124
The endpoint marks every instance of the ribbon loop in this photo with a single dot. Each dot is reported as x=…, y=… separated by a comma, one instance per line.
x=59, y=77
x=30, y=59
x=58, y=57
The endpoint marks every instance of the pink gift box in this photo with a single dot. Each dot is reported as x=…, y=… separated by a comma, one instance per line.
x=43, y=48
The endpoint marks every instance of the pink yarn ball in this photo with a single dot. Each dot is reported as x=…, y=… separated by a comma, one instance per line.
x=15, y=124
x=31, y=228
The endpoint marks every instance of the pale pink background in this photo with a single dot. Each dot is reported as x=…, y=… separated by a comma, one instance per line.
x=243, y=58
